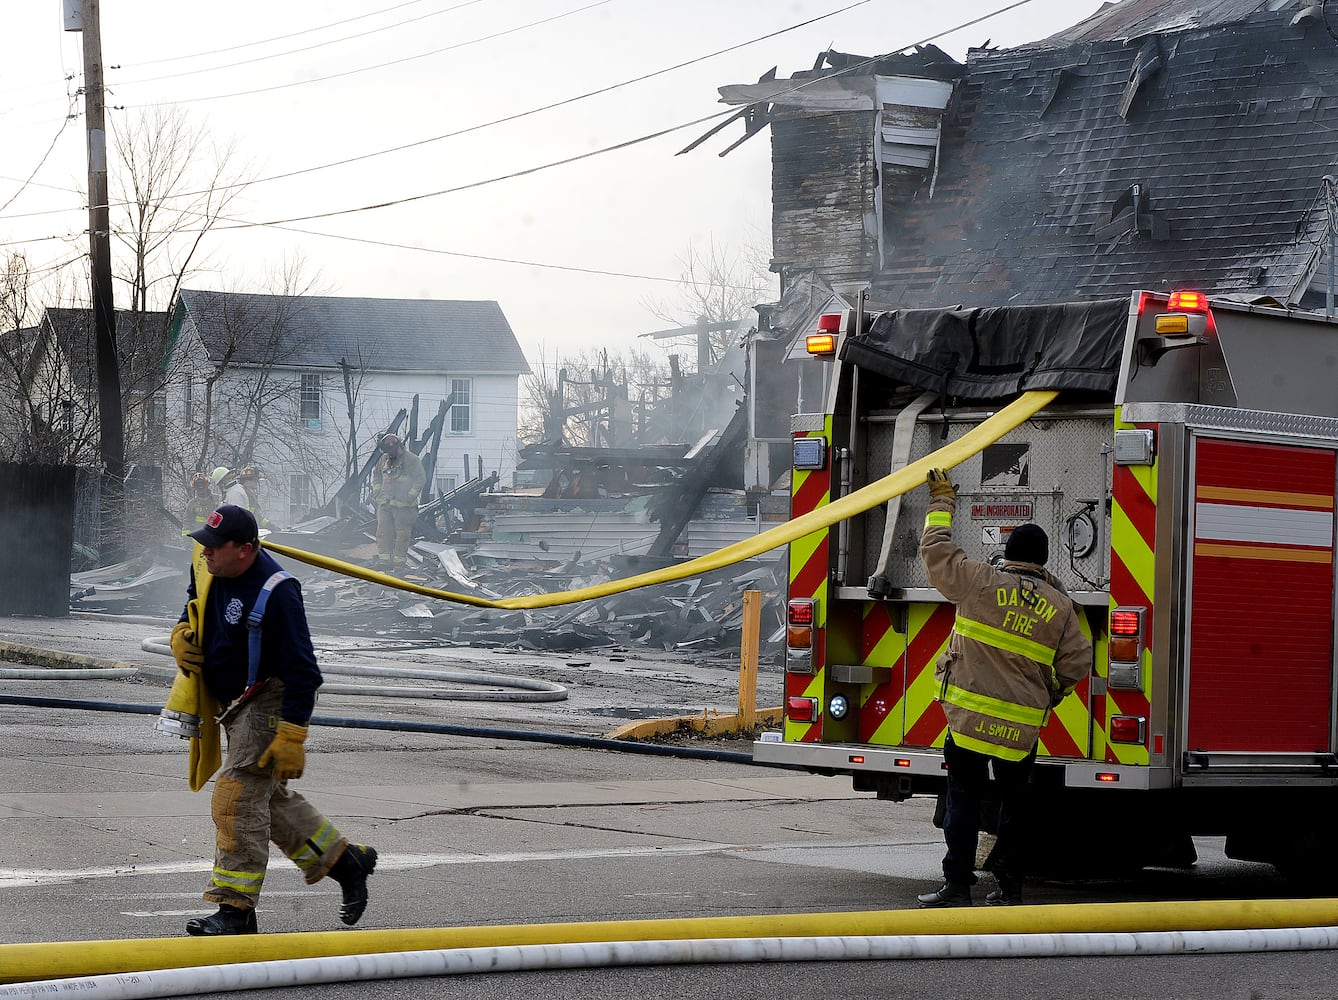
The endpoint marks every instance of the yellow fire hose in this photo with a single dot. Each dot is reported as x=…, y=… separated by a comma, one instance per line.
x=69, y=959
x=866, y=498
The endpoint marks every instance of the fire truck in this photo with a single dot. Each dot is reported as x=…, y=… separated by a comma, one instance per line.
x=1185, y=472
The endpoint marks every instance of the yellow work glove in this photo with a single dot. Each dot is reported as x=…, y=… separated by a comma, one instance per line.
x=940, y=485
x=186, y=650
x=285, y=751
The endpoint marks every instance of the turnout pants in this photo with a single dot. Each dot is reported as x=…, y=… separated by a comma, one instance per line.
x=394, y=532
x=251, y=808
x=968, y=788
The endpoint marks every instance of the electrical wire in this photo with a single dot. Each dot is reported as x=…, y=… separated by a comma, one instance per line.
x=394, y=62
x=306, y=48
x=65, y=123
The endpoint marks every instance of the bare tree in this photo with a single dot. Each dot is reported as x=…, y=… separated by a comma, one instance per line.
x=170, y=188
x=590, y=398
x=717, y=288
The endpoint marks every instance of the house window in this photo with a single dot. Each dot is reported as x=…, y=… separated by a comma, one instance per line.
x=189, y=398
x=299, y=498
x=309, y=408
x=157, y=413
x=462, y=389
x=444, y=484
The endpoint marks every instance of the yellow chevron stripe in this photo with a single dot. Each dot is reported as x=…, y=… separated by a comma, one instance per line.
x=1074, y=714
x=921, y=691
x=1129, y=753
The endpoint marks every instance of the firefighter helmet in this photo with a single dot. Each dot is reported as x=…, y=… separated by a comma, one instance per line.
x=249, y=472
x=200, y=480
x=220, y=474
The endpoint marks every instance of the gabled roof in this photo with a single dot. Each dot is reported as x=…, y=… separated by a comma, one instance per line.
x=140, y=342
x=1195, y=158
x=310, y=331
x=1131, y=19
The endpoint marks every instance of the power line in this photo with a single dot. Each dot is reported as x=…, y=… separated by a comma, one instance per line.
x=291, y=34
x=305, y=48
x=408, y=199
x=514, y=117
x=384, y=65
x=45, y=156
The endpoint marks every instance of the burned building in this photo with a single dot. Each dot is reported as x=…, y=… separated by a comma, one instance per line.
x=1157, y=144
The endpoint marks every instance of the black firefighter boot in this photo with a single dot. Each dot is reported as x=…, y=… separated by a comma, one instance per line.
x=351, y=871
x=228, y=920
x=951, y=894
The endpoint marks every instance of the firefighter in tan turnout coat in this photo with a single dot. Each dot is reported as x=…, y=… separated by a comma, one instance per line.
x=1016, y=651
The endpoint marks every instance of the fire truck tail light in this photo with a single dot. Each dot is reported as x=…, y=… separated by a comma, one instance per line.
x=1125, y=622
x=801, y=611
x=1107, y=777
x=1128, y=729
x=801, y=709
x=799, y=637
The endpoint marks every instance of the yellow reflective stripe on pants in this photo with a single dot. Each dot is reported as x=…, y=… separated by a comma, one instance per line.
x=938, y=519
x=989, y=749
x=316, y=846
x=1008, y=711
x=1006, y=641
x=247, y=882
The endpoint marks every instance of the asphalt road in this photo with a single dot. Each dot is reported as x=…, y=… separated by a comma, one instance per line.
x=101, y=839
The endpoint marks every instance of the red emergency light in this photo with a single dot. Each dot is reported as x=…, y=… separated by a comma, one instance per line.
x=1195, y=302
x=801, y=709
x=801, y=611
x=1128, y=729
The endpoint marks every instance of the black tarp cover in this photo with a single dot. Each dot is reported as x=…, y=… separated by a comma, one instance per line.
x=998, y=351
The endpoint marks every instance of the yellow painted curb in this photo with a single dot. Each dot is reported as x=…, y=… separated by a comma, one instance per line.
x=69, y=959
x=712, y=724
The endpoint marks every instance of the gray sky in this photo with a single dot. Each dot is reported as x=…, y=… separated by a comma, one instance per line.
x=295, y=90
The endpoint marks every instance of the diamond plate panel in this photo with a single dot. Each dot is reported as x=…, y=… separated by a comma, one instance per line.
x=1058, y=463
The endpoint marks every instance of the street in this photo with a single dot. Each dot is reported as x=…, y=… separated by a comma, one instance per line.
x=101, y=839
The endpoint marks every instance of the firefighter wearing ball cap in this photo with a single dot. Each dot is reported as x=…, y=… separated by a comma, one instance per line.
x=252, y=648
x=1016, y=651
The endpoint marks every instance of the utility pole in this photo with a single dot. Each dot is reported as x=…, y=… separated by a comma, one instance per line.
x=111, y=431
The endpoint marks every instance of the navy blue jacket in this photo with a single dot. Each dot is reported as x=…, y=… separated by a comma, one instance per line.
x=285, y=648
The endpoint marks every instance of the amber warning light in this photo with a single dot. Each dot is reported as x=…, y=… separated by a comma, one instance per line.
x=823, y=343
x=1187, y=315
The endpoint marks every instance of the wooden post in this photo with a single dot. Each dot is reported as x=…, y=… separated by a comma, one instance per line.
x=752, y=632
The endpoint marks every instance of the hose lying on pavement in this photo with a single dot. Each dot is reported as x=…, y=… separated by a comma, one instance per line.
x=607, y=954
x=437, y=728
x=526, y=689
x=208, y=966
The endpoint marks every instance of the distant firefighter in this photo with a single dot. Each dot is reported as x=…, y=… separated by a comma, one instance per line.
x=397, y=482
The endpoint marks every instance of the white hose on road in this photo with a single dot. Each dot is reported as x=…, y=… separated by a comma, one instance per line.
x=211, y=979
x=526, y=689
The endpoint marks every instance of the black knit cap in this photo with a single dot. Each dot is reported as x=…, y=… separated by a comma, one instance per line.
x=1028, y=543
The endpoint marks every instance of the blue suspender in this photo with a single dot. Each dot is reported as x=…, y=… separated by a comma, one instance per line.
x=253, y=621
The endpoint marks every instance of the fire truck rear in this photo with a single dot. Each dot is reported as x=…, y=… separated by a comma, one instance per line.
x=1186, y=476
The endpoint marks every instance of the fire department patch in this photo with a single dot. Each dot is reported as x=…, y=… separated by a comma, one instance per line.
x=232, y=614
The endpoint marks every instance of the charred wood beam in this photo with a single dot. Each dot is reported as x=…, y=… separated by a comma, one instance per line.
x=675, y=514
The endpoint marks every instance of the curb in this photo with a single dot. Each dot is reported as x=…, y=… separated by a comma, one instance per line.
x=707, y=724
x=39, y=657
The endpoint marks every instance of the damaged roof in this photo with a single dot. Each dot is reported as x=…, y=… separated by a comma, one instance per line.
x=317, y=331
x=1195, y=157
x=1159, y=143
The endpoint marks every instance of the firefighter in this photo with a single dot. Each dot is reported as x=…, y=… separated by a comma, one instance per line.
x=1016, y=652
x=199, y=505
x=397, y=481
x=248, y=479
x=256, y=659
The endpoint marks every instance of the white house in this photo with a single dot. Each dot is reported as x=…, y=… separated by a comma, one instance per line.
x=288, y=383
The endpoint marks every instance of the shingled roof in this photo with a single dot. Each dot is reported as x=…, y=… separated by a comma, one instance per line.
x=1158, y=143
x=421, y=335
x=1194, y=157
x=1154, y=145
